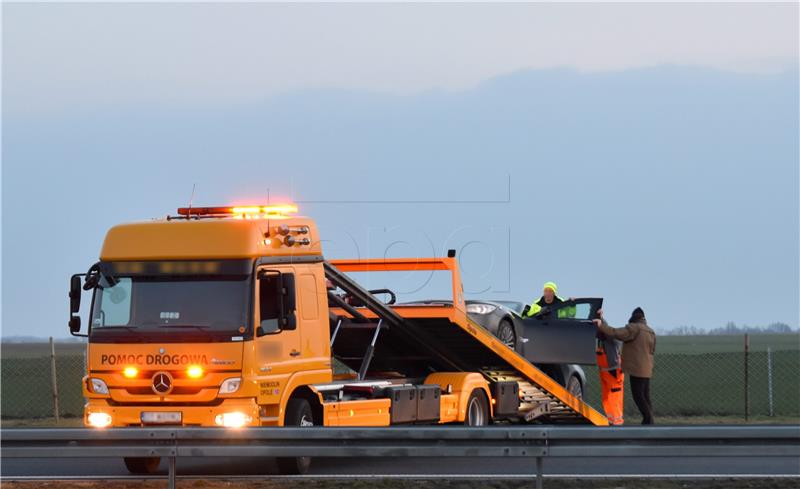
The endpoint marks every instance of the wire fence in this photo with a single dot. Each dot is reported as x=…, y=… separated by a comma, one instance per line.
x=756, y=383
x=27, y=384
x=760, y=383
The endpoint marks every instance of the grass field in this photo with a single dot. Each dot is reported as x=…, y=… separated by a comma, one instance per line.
x=700, y=376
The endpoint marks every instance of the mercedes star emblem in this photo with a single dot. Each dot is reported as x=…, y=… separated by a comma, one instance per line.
x=162, y=383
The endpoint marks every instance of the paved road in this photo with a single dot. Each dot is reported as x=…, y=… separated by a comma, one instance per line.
x=422, y=466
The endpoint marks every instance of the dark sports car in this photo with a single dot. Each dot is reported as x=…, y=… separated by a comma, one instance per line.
x=548, y=340
x=504, y=320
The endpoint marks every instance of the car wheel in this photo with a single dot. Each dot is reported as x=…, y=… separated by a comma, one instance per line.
x=574, y=387
x=477, y=409
x=298, y=413
x=142, y=465
x=505, y=333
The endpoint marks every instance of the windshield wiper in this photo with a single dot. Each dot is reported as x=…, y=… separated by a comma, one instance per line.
x=127, y=328
x=195, y=326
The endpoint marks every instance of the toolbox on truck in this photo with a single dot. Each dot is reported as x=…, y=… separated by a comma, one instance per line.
x=428, y=404
x=404, y=403
x=506, y=396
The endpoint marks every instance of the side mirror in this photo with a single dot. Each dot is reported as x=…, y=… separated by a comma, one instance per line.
x=277, y=302
x=74, y=304
x=74, y=294
x=288, y=302
x=288, y=293
x=290, y=321
x=74, y=324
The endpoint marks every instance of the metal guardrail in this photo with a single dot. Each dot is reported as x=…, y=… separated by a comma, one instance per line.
x=412, y=441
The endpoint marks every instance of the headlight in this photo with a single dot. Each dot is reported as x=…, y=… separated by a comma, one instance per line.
x=99, y=420
x=232, y=420
x=97, y=386
x=229, y=386
x=194, y=371
x=480, y=308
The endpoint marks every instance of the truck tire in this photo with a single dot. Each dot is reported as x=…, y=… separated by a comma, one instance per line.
x=142, y=465
x=477, y=409
x=298, y=413
x=574, y=387
x=505, y=333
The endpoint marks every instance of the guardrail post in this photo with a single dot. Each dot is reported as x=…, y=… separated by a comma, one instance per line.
x=539, y=475
x=172, y=464
x=539, y=462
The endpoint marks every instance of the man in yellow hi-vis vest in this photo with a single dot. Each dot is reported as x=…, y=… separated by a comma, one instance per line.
x=549, y=299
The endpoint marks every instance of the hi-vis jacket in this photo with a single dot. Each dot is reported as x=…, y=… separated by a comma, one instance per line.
x=564, y=312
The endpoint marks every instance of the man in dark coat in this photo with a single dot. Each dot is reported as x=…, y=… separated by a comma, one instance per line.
x=638, y=348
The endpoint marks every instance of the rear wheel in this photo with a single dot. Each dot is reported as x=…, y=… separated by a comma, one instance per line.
x=298, y=413
x=574, y=387
x=142, y=465
x=505, y=333
x=477, y=409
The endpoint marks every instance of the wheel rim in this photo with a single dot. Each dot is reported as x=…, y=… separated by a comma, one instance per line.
x=475, y=412
x=305, y=421
x=575, y=388
x=507, y=336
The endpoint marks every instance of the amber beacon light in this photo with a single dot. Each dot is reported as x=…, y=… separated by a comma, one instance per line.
x=241, y=212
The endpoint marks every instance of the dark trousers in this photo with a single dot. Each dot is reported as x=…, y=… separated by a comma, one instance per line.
x=640, y=389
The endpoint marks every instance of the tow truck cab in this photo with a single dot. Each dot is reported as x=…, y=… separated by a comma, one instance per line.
x=213, y=317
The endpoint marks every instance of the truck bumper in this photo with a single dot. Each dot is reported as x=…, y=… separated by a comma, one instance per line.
x=231, y=413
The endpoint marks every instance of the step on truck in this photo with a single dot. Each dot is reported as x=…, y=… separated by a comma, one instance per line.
x=232, y=317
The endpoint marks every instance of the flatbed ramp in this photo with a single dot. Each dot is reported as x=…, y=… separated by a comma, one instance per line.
x=419, y=340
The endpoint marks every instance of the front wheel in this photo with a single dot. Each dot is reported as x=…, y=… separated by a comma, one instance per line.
x=298, y=413
x=574, y=387
x=142, y=465
x=477, y=409
x=505, y=333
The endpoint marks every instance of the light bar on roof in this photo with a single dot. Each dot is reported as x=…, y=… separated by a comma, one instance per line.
x=250, y=211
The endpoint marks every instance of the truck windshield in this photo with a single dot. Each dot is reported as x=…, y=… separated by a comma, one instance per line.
x=160, y=303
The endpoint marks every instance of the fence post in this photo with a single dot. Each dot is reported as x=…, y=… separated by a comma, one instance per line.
x=746, y=378
x=769, y=381
x=54, y=379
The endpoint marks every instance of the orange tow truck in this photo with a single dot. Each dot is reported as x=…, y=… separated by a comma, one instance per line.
x=232, y=317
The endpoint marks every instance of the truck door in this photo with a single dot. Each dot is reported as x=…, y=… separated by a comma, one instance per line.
x=277, y=328
x=563, y=333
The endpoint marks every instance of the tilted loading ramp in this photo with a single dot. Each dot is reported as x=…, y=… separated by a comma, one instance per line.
x=418, y=341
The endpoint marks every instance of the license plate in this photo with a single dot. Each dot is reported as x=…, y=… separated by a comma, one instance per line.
x=152, y=417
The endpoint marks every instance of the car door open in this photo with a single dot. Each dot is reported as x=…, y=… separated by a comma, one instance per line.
x=562, y=333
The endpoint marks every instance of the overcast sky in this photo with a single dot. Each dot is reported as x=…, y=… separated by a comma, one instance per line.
x=111, y=113
x=61, y=57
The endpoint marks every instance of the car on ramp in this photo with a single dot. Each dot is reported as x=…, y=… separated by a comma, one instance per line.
x=555, y=342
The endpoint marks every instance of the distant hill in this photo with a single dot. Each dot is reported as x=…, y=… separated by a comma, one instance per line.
x=39, y=339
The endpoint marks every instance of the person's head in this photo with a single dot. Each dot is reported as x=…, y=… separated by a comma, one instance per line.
x=549, y=291
x=637, y=315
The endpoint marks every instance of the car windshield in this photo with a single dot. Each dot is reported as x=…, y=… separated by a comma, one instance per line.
x=162, y=303
x=513, y=305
